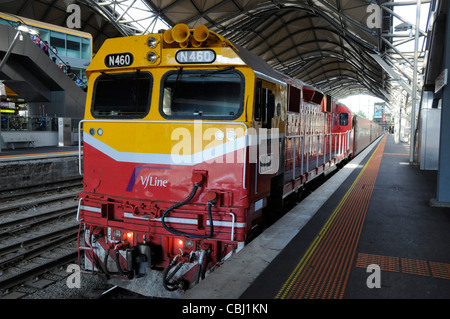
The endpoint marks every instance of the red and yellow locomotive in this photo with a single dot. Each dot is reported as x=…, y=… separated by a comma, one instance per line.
x=187, y=138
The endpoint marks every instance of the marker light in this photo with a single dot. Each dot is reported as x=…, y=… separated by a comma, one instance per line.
x=231, y=135
x=152, y=42
x=189, y=244
x=151, y=57
x=117, y=234
x=219, y=135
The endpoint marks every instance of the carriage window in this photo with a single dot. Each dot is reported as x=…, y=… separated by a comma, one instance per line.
x=343, y=119
x=202, y=94
x=123, y=95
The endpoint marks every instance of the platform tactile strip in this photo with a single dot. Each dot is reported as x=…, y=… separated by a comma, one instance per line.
x=385, y=263
x=324, y=269
x=415, y=267
x=440, y=270
x=405, y=265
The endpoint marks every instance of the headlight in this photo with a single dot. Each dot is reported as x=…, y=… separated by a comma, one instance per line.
x=151, y=57
x=231, y=135
x=219, y=135
x=188, y=244
x=152, y=42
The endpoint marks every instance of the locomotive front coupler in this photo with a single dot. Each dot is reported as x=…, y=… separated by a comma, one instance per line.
x=139, y=259
x=120, y=272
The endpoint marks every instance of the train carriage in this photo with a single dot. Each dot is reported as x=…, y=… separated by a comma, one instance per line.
x=187, y=140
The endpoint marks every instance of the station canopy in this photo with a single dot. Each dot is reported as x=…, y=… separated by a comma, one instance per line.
x=325, y=43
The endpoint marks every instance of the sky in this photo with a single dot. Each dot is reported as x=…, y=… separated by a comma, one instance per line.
x=139, y=11
x=362, y=103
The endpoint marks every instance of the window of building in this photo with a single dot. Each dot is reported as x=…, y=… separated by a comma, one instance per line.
x=85, y=49
x=58, y=40
x=73, y=46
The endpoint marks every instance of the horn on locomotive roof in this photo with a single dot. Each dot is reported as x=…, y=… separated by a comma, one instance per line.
x=195, y=43
x=201, y=33
x=184, y=44
x=181, y=32
x=196, y=37
x=168, y=36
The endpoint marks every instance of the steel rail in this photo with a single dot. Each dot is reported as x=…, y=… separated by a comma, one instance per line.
x=43, y=268
x=33, y=202
x=45, y=243
x=30, y=221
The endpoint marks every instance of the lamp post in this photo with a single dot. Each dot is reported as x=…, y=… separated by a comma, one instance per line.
x=20, y=28
x=414, y=85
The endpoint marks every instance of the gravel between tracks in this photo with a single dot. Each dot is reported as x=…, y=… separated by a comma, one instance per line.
x=90, y=286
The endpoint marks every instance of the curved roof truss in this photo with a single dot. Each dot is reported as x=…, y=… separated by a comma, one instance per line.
x=328, y=44
x=302, y=39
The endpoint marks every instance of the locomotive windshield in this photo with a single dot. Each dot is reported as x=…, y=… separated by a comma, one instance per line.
x=124, y=95
x=202, y=94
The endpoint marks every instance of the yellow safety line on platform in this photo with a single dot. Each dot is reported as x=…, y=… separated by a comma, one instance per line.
x=39, y=154
x=293, y=278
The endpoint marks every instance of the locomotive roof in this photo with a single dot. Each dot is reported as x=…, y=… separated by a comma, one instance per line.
x=258, y=64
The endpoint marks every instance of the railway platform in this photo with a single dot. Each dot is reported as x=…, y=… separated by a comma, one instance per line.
x=18, y=154
x=33, y=166
x=368, y=233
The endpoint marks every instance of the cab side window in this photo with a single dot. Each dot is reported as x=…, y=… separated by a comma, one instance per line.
x=264, y=105
x=343, y=119
x=258, y=99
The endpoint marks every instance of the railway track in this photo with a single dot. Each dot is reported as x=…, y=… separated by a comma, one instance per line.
x=14, y=193
x=38, y=236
